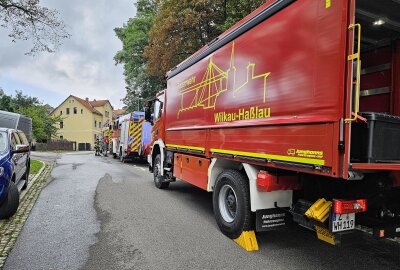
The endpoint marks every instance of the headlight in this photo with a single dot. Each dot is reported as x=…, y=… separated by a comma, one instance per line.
x=1, y=171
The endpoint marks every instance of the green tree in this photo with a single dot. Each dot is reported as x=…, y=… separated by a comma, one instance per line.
x=182, y=27
x=43, y=125
x=27, y=19
x=5, y=102
x=235, y=10
x=134, y=38
x=166, y=32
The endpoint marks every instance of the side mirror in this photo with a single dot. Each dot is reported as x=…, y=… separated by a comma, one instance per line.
x=21, y=148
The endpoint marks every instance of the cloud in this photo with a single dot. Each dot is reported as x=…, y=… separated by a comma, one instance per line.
x=84, y=64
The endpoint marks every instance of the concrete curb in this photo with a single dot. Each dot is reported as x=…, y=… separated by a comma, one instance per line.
x=11, y=228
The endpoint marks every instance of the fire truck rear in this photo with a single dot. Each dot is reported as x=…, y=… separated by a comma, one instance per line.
x=290, y=115
x=133, y=136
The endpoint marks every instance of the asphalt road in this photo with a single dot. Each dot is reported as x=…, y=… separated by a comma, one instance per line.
x=97, y=213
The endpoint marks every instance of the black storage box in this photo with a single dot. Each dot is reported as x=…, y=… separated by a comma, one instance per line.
x=378, y=140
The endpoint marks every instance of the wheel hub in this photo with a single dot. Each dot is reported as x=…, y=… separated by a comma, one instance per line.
x=157, y=170
x=231, y=202
x=227, y=201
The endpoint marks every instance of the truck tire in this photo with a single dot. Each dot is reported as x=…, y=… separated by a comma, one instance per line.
x=158, y=178
x=140, y=151
x=121, y=157
x=231, y=203
x=11, y=203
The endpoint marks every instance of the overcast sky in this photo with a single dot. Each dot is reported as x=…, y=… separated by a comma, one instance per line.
x=83, y=66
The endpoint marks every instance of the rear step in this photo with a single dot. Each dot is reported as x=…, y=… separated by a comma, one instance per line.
x=319, y=217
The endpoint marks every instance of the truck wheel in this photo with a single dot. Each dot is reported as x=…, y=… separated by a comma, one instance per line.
x=158, y=178
x=11, y=203
x=140, y=151
x=231, y=203
x=121, y=157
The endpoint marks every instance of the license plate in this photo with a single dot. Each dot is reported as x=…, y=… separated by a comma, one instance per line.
x=343, y=222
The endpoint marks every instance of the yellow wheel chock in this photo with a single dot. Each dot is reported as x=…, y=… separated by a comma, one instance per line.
x=325, y=235
x=248, y=241
x=319, y=210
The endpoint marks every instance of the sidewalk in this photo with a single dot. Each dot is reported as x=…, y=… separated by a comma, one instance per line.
x=11, y=228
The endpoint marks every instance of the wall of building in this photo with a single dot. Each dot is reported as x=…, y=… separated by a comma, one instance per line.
x=77, y=127
x=97, y=120
x=106, y=110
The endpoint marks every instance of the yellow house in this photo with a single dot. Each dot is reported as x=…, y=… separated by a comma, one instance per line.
x=83, y=120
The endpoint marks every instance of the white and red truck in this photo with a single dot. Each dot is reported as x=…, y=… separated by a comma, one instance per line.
x=134, y=134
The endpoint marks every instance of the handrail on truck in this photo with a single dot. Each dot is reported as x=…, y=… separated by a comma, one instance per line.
x=358, y=73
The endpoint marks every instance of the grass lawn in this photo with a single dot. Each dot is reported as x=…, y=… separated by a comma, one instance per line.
x=35, y=166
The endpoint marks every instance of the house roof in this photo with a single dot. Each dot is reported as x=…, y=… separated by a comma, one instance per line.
x=86, y=103
x=119, y=112
x=99, y=103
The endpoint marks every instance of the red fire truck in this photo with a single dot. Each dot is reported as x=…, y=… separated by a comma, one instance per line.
x=292, y=114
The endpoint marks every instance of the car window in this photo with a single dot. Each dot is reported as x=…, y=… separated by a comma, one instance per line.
x=15, y=140
x=3, y=142
x=23, y=138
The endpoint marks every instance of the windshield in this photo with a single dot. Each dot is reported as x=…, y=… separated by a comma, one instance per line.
x=3, y=142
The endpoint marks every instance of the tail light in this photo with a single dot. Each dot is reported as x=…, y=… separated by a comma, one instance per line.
x=349, y=206
x=268, y=182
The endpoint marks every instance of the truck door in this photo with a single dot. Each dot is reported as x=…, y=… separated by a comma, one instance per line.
x=159, y=109
x=373, y=120
x=124, y=135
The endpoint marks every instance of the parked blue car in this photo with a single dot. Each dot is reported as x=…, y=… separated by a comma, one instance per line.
x=14, y=169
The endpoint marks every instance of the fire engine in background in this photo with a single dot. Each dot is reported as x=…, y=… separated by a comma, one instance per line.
x=134, y=136
x=280, y=121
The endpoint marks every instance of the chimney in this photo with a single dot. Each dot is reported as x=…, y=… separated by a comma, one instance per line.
x=94, y=99
x=87, y=99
